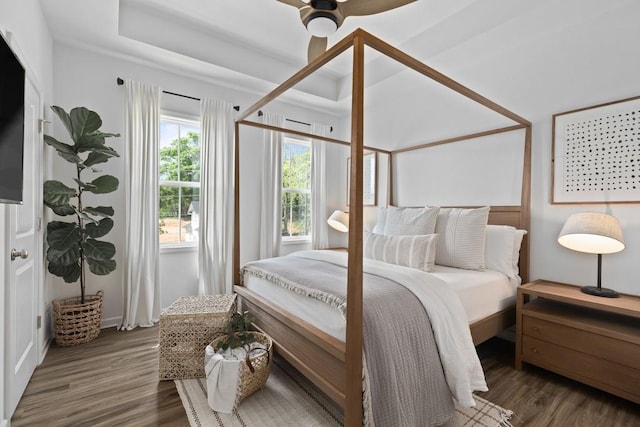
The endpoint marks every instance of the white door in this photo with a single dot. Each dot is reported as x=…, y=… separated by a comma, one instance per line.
x=24, y=257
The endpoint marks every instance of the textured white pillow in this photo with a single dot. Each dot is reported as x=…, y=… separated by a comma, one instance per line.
x=502, y=250
x=416, y=251
x=381, y=220
x=462, y=234
x=410, y=221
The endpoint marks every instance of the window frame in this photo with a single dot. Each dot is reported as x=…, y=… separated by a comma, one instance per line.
x=181, y=119
x=287, y=240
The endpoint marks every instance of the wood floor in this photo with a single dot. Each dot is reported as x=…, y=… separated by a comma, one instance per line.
x=113, y=381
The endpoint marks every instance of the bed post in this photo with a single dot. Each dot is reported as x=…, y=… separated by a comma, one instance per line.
x=236, y=206
x=353, y=359
x=525, y=204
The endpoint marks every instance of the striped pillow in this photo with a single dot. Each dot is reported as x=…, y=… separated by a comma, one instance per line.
x=462, y=235
x=410, y=221
x=417, y=251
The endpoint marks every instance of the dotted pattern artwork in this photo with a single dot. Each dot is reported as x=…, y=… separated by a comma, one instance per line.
x=602, y=154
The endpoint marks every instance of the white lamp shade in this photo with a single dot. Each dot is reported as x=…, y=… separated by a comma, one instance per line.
x=321, y=26
x=592, y=232
x=339, y=220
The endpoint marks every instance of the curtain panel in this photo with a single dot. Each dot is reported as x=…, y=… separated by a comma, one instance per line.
x=215, y=253
x=271, y=195
x=141, y=287
x=319, y=231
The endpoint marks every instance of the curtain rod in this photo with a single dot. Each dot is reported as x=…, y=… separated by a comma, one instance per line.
x=260, y=113
x=120, y=82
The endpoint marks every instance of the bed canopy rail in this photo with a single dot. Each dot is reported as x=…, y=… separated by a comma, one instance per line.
x=351, y=381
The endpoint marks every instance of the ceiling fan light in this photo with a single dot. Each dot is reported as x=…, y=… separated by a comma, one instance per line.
x=322, y=25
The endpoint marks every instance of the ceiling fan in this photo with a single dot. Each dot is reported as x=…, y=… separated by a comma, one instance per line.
x=323, y=17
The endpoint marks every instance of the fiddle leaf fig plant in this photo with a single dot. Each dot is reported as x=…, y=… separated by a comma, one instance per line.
x=74, y=244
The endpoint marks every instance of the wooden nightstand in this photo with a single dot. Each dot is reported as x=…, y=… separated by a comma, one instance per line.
x=590, y=339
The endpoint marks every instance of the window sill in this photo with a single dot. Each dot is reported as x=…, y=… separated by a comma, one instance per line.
x=178, y=247
x=296, y=241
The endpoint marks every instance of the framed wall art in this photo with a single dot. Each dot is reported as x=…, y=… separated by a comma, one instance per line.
x=596, y=154
x=370, y=181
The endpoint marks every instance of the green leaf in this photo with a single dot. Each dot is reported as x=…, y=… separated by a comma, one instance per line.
x=59, y=146
x=83, y=185
x=70, y=273
x=100, y=229
x=103, y=211
x=57, y=194
x=71, y=158
x=94, y=158
x=98, y=250
x=64, y=258
x=64, y=117
x=64, y=237
x=84, y=121
x=88, y=218
x=63, y=210
x=101, y=267
x=104, y=184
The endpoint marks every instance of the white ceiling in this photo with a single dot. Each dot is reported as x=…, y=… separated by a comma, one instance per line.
x=257, y=44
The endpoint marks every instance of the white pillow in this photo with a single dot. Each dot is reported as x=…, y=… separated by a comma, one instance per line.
x=502, y=250
x=381, y=220
x=410, y=221
x=416, y=251
x=462, y=234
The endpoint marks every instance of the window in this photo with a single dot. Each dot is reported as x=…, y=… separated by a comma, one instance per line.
x=179, y=180
x=296, y=189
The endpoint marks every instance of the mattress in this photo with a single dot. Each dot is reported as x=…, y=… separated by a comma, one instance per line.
x=482, y=294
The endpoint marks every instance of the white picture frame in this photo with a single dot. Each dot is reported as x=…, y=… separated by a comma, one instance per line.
x=596, y=154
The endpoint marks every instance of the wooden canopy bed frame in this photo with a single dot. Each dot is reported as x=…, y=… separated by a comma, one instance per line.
x=336, y=366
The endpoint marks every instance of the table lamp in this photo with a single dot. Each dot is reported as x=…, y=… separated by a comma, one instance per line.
x=593, y=233
x=339, y=220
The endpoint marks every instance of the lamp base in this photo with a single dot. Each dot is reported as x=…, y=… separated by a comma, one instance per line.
x=599, y=292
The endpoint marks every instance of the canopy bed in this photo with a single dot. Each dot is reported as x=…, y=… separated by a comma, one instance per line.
x=333, y=360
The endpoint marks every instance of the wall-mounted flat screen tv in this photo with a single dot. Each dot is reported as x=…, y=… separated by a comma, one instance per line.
x=11, y=124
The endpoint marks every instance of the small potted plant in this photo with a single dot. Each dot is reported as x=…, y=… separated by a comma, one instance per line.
x=73, y=244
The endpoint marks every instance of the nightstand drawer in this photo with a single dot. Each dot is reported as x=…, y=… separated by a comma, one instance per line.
x=583, y=367
x=614, y=350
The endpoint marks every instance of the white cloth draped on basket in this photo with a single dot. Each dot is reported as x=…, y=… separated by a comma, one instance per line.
x=319, y=232
x=271, y=203
x=141, y=287
x=216, y=197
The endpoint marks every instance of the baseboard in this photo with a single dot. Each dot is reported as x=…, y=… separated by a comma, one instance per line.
x=112, y=322
x=4, y=423
x=45, y=350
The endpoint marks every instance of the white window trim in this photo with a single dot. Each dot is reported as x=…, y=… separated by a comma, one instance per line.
x=296, y=240
x=190, y=120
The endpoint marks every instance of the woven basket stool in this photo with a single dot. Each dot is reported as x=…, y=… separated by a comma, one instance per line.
x=254, y=377
x=186, y=328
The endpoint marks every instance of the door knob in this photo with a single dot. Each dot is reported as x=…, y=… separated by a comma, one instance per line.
x=16, y=253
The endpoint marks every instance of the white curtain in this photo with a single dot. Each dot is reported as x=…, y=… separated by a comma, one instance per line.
x=215, y=253
x=141, y=288
x=319, y=232
x=271, y=200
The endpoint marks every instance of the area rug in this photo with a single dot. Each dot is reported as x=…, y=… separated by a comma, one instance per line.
x=289, y=399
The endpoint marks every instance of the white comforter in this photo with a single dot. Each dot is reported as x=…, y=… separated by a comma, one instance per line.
x=458, y=356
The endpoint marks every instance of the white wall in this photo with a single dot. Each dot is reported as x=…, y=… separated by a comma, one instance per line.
x=86, y=78
x=582, y=64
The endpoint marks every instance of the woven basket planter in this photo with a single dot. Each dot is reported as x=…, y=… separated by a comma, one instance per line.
x=77, y=323
x=253, y=375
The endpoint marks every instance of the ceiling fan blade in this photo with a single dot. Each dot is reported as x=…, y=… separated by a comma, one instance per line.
x=370, y=7
x=317, y=46
x=294, y=3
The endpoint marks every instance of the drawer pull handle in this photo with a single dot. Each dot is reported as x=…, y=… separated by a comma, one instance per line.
x=535, y=350
x=535, y=329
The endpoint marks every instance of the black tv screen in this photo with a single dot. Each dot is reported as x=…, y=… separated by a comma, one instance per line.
x=11, y=125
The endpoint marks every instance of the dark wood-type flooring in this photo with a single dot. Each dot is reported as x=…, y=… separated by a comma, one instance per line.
x=113, y=381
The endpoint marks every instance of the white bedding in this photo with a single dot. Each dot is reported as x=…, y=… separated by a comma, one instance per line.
x=461, y=366
x=482, y=293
